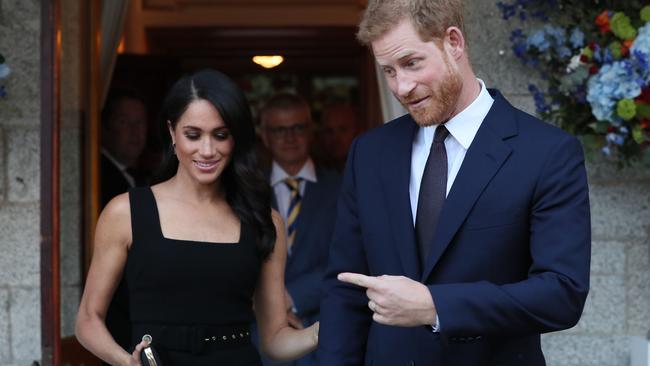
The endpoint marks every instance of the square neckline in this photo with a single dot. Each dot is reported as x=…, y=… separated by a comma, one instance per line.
x=197, y=242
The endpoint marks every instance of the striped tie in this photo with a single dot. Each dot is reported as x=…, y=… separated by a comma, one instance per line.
x=294, y=209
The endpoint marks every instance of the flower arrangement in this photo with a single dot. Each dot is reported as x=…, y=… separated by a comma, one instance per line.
x=595, y=63
x=4, y=72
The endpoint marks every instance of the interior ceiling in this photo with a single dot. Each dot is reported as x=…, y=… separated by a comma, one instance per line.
x=174, y=4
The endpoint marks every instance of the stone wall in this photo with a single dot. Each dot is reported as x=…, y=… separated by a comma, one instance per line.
x=618, y=305
x=20, y=184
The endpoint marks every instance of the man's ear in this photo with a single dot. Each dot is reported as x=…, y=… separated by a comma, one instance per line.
x=455, y=40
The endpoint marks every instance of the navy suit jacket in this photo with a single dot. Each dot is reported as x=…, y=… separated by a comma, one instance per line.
x=509, y=259
x=306, y=265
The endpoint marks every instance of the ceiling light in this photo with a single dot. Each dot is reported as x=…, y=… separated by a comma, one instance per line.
x=268, y=62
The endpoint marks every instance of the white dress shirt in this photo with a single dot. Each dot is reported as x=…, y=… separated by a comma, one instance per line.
x=122, y=168
x=462, y=130
x=280, y=189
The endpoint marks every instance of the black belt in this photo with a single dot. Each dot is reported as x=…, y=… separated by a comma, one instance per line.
x=194, y=338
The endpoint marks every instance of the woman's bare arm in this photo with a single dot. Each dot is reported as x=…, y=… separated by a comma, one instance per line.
x=111, y=245
x=279, y=341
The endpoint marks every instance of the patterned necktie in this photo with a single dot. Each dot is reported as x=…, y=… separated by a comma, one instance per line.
x=433, y=191
x=294, y=208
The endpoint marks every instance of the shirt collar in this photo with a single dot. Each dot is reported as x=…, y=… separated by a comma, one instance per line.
x=115, y=162
x=307, y=172
x=464, y=126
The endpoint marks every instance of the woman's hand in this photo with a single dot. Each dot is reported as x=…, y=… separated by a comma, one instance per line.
x=134, y=358
x=315, y=328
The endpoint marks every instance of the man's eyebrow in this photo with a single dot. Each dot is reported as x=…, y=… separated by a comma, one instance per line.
x=406, y=54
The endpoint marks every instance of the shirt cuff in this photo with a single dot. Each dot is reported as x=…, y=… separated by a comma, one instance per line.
x=435, y=328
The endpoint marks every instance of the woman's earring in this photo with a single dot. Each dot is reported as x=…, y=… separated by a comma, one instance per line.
x=174, y=149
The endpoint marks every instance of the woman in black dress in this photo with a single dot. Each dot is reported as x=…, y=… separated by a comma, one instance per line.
x=199, y=249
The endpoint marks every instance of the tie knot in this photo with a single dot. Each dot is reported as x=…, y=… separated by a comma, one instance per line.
x=441, y=134
x=293, y=183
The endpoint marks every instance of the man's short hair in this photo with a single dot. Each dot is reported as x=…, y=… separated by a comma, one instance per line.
x=430, y=18
x=114, y=97
x=284, y=101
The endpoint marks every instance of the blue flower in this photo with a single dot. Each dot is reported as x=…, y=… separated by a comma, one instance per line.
x=540, y=102
x=577, y=38
x=615, y=138
x=538, y=40
x=4, y=71
x=612, y=83
x=606, y=151
x=640, y=51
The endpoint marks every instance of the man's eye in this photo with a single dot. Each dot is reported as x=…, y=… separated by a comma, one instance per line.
x=411, y=63
x=389, y=72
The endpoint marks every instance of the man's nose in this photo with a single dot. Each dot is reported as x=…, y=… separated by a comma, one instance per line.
x=405, y=85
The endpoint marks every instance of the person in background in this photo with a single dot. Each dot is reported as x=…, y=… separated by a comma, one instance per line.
x=463, y=229
x=340, y=124
x=305, y=196
x=198, y=251
x=123, y=139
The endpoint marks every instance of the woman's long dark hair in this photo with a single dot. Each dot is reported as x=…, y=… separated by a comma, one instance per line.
x=247, y=191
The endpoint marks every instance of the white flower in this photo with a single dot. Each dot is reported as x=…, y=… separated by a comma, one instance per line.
x=573, y=64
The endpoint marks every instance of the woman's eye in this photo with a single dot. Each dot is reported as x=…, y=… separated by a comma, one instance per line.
x=222, y=135
x=192, y=136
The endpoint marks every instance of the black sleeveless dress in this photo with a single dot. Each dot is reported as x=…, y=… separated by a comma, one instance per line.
x=193, y=298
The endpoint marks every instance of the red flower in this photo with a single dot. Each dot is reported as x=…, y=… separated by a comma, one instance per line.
x=644, y=97
x=584, y=58
x=602, y=21
x=592, y=45
x=644, y=123
x=593, y=70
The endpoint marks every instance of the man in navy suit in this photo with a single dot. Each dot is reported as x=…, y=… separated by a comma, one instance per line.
x=463, y=227
x=308, y=212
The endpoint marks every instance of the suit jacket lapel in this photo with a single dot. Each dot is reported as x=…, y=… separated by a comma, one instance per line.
x=395, y=175
x=485, y=156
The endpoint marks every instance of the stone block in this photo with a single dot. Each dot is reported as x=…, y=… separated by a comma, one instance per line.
x=620, y=211
x=608, y=258
x=70, y=250
x=23, y=165
x=20, y=37
x=605, y=310
x=71, y=166
x=577, y=350
x=70, y=297
x=25, y=310
x=5, y=349
x=19, y=240
x=604, y=172
x=3, y=158
x=524, y=102
x=638, y=289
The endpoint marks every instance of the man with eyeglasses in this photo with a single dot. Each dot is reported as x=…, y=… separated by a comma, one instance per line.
x=305, y=196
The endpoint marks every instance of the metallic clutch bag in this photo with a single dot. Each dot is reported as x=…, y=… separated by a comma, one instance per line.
x=149, y=356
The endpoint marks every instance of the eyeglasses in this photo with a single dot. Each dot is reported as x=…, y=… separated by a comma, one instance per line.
x=284, y=131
